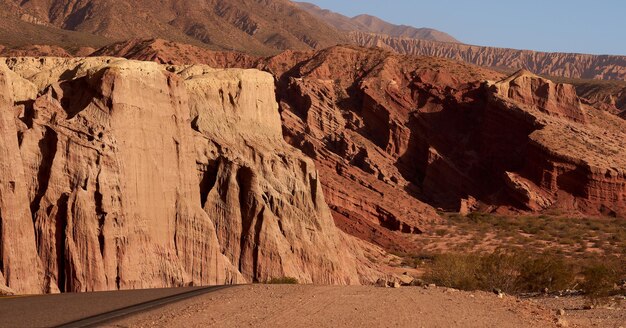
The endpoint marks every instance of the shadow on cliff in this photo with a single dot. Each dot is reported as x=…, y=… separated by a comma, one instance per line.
x=459, y=148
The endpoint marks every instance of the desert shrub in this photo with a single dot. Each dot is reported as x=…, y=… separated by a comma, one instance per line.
x=454, y=270
x=441, y=232
x=547, y=271
x=283, y=281
x=511, y=273
x=499, y=270
x=599, y=281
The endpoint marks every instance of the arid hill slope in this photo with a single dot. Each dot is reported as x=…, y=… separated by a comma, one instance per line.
x=371, y=24
x=17, y=33
x=605, y=67
x=253, y=26
x=608, y=94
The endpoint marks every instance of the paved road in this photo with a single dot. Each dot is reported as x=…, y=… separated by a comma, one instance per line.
x=87, y=309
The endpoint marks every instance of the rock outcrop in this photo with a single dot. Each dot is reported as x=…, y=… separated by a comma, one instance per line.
x=428, y=129
x=350, y=109
x=19, y=267
x=120, y=174
x=174, y=53
x=572, y=158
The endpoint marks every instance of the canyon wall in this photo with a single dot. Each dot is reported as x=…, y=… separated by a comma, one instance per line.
x=397, y=137
x=120, y=174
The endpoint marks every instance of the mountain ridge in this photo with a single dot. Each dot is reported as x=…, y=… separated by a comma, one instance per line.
x=241, y=25
x=570, y=65
x=373, y=24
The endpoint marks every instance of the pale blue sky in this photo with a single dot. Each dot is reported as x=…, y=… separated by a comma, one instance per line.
x=586, y=26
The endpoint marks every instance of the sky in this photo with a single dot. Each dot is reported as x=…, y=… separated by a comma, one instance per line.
x=583, y=26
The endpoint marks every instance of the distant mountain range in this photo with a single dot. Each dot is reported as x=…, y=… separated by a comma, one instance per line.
x=371, y=24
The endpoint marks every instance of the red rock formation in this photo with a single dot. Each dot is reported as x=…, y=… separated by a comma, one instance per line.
x=34, y=50
x=20, y=268
x=566, y=161
x=422, y=129
x=137, y=177
x=394, y=135
x=551, y=98
x=349, y=108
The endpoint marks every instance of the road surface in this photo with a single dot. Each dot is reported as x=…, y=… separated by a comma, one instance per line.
x=88, y=309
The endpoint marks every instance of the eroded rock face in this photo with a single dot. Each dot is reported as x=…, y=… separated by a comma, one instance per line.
x=265, y=195
x=568, y=154
x=121, y=174
x=386, y=127
x=551, y=98
x=20, y=267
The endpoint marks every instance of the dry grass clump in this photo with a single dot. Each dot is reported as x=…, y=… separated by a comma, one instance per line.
x=283, y=281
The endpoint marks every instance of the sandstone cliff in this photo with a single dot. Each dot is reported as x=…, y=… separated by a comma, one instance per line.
x=584, y=66
x=121, y=174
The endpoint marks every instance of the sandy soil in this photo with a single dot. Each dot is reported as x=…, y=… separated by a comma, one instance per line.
x=611, y=315
x=360, y=306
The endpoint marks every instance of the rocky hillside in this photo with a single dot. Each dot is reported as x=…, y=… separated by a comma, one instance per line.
x=390, y=130
x=608, y=94
x=259, y=27
x=429, y=133
x=120, y=174
x=253, y=26
x=372, y=24
x=568, y=65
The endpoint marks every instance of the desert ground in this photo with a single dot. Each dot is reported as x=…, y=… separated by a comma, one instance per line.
x=367, y=306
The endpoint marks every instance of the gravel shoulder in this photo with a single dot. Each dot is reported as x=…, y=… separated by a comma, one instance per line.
x=358, y=306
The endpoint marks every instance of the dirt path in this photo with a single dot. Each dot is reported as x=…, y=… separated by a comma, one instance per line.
x=321, y=306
